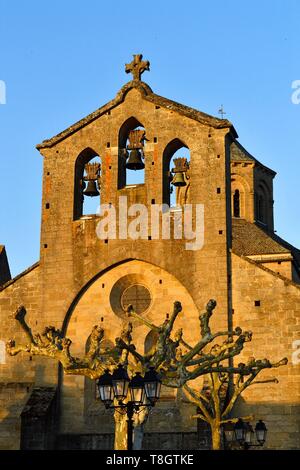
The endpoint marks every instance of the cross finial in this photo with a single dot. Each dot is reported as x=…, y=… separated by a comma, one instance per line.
x=137, y=66
x=221, y=112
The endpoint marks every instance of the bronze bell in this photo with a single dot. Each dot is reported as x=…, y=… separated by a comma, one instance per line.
x=91, y=189
x=135, y=161
x=178, y=179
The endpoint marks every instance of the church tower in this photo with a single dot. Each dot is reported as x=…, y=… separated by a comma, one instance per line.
x=143, y=156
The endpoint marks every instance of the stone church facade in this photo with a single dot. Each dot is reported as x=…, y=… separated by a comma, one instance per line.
x=81, y=279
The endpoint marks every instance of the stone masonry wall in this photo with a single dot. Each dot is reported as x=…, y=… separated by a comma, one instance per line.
x=276, y=326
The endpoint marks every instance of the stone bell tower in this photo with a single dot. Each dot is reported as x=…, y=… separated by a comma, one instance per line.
x=84, y=277
x=133, y=247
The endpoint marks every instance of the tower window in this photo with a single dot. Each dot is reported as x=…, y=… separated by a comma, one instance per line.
x=131, y=161
x=236, y=204
x=176, y=177
x=87, y=183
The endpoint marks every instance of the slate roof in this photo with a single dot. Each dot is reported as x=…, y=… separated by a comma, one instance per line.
x=249, y=239
x=238, y=153
x=149, y=96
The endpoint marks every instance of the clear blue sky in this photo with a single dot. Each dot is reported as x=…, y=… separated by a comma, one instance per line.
x=61, y=60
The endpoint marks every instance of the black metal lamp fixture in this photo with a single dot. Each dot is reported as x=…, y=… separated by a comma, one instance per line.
x=152, y=385
x=240, y=431
x=243, y=433
x=116, y=386
x=120, y=382
x=137, y=389
x=261, y=432
x=105, y=388
x=229, y=431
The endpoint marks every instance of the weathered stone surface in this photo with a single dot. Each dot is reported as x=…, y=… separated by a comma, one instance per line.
x=71, y=285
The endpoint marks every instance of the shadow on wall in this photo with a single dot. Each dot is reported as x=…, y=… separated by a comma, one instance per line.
x=282, y=421
x=13, y=397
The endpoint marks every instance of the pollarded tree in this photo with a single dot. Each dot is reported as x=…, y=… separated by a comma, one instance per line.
x=224, y=382
x=223, y=387
x=176, y=361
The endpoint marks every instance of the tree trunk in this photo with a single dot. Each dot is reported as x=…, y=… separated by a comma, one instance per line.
x=120, y=431
x=216, y=435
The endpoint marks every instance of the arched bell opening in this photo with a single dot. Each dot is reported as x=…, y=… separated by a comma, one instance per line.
x=236, y=204
x=239, y=197
x=87, y=184
x=131, y=165
x=176, y=178
x=261, y=202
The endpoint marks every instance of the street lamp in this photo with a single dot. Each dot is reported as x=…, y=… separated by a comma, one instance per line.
x=152, y=385
x=243, y=433
x=120, y=382
x=261, y=432
x=116, y=386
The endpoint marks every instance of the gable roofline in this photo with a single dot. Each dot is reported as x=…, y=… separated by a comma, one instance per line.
x=148, y=95
x=19, y=276
x=286, y=281
x=246, y=156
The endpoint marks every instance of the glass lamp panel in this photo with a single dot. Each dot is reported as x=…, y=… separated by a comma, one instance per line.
x=248, y=436
x=151, y=390
x=240, y=431
x=120, y=389
x=106, y=393
x=239, y=434
x=152, y=385
x=261, y=432
x=261, y=435
x=229, y=434
x=137, y=395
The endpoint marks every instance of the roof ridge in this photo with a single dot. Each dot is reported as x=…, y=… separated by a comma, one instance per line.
x=18, y=276
x=148, y=94
x=264, y=268
x=251, y=239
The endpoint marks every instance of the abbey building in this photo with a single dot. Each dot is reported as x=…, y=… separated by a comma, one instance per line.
x=152, y=151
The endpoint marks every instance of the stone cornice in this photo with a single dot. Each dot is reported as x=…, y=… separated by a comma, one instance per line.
x=148, y=95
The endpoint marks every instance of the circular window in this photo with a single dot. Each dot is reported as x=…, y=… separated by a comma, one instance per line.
x=138, y=296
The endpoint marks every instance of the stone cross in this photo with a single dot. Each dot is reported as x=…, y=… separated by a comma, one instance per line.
x=137, y=66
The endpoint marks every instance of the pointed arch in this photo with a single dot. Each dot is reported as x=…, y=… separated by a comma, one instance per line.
x=129, y=125
x=240, y=191
x=83, y=158
x=262, y=202
x=172, y=147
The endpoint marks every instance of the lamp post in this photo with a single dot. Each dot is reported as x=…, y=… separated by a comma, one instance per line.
x=243, y=433
x=142, y=389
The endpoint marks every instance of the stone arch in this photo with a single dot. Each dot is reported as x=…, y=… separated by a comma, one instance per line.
x=92, y=303
x=172, y=147
x=83, y=158
x=240, y=184
x=262, y=200
x=130, y=124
